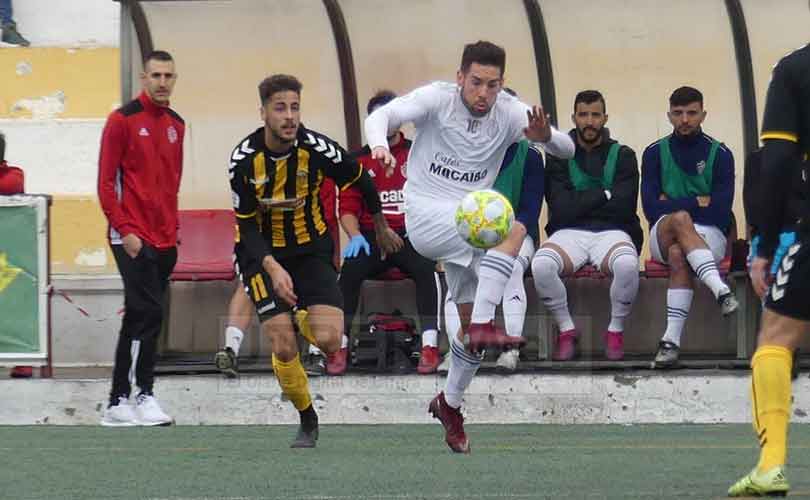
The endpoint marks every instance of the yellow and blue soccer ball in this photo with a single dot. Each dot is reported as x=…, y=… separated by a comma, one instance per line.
x=484, y=218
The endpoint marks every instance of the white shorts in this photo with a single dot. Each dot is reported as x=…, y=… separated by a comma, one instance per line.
x=712, y=235
x=588, y=247
x=433, y=234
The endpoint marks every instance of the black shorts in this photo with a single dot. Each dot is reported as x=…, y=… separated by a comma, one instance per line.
x=790, y=293
x=314, y=282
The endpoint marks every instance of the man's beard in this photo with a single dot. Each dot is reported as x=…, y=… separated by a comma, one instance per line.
x=581, y=135
x=689, y=133
x=277, y=136
x=470, y=108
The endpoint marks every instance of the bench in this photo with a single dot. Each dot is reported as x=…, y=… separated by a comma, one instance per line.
x=204, y=255
x=205, y=246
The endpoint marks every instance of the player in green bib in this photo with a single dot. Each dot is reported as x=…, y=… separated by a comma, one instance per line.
x=592, y=219
x=687, y=188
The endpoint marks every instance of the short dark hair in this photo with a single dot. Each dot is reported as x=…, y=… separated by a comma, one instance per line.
x=157, y=55
x=683, y=96
x=278, y=83
x=484, y=53
x=380, y=98
x=590, y=97
x=2, y=147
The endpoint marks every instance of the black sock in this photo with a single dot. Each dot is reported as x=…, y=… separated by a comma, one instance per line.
x=309, y=419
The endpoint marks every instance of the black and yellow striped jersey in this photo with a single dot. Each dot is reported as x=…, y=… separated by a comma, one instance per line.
x=260, y=177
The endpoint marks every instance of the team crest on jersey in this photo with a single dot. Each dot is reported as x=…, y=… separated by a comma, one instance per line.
x=172, y=133
x=701, y=166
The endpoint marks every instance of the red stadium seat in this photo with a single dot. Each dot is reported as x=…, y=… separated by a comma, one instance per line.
x=589, y=271
x=392, y=274
x=205, y=249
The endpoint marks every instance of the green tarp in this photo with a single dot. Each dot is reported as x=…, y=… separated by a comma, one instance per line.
x=19, y=275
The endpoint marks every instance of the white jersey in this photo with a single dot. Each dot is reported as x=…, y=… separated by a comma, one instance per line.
x=453, y=153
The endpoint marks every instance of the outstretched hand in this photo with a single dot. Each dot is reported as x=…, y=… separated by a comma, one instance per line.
x=539, y=128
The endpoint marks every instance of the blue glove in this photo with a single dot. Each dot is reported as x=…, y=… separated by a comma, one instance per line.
x=356, y=244
x=786, y=240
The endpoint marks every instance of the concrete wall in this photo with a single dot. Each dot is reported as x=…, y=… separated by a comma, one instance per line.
x=630, y=398
x=54, y=99
x=773, y=32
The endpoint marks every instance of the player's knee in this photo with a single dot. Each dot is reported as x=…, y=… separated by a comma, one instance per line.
x=285, y=353
x=329, y=339
x=778, y=330
x=625, y=263
x=682, y=221
x=546, y=265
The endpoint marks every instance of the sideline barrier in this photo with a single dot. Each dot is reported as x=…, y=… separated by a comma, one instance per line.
x=25, y=281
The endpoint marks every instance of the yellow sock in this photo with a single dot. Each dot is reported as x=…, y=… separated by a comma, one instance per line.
x=304, y=329
x=770, y=401
x=293, y=381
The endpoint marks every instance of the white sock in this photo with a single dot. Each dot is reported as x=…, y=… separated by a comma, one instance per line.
x=452, y=321
x=546, y=268
x=494, y=272
x=623, y=264
x=344, y=341
x=679, y=301
x=314, y=350
x=233, y=338
x=514, y=300
x=430, y=338
x=702, y=261
x=462, y=371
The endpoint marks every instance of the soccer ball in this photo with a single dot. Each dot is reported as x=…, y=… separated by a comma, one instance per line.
x=484, y=218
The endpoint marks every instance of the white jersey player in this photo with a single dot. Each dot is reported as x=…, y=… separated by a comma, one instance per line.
x=462, y=133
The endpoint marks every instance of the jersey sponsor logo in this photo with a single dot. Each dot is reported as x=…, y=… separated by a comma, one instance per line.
x=171, y=132
x=393, y=196
x=456, y=175
x=446, y=159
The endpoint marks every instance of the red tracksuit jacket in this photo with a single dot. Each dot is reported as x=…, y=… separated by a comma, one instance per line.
x=12, y=179
x=390, y=189
x=140, y=165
